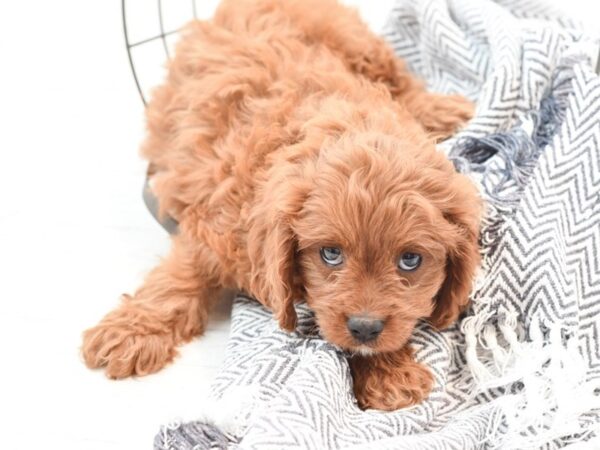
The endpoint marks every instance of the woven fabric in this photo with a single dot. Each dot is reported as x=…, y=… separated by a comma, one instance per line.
x=522, y=369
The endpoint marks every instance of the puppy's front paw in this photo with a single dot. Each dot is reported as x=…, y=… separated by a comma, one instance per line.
x=124, y=350
x=390, y=387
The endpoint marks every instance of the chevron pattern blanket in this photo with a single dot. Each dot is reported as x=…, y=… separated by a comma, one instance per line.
x=522, y=369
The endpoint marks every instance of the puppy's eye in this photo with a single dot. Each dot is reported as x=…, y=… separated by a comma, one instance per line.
x=332, y=256
x=409, y=261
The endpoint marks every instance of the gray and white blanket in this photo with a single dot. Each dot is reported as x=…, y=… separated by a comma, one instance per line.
x=522, y=369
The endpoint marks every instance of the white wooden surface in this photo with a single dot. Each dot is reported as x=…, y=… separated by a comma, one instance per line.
x=74, y=233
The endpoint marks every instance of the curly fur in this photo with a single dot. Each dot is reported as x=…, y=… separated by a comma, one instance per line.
x=283, y=127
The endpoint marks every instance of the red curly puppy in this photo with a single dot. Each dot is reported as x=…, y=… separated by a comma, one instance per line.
x=298, y=156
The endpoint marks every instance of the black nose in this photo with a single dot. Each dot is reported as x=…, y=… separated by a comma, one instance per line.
x=364, y=329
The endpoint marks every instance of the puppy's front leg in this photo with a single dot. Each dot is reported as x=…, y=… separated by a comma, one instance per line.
x=139, y=337
x=390, y=381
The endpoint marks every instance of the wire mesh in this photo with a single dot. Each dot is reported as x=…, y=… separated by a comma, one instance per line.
x=150, y=34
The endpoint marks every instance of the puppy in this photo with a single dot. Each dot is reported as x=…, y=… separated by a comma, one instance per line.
x=298, y=156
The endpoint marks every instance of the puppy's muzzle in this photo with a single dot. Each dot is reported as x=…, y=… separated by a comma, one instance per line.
x=364, y=329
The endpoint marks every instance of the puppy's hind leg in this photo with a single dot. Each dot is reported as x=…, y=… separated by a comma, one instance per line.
x=140, y=336
x=343, y=32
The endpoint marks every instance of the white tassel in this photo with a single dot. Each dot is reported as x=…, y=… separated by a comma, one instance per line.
x=554, y=392
x=471, y=327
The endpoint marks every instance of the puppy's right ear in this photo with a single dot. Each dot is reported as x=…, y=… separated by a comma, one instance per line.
x=272, y=243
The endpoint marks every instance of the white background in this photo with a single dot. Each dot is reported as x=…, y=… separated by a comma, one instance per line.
x=74, y=233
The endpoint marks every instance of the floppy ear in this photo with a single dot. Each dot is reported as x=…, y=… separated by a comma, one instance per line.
x=280, y=249
x=463, y=257
x=272, y=244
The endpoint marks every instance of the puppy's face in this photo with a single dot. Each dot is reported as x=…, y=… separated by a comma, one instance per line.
x=383, y=240
x=371, y=271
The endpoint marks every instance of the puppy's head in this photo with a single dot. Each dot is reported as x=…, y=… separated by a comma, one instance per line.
x=375, y=236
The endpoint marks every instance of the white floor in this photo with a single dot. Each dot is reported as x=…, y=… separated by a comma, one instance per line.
x=74, y=233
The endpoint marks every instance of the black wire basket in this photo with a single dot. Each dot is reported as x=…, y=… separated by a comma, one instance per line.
x=151, y=33
x=150, y=38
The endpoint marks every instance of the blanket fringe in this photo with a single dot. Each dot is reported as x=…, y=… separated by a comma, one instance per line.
x=551, y=393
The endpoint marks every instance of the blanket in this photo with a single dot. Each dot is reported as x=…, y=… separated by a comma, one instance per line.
x=522, y=368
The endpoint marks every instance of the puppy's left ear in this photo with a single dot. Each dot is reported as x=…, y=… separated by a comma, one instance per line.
x=272, y=243
x=464, y=211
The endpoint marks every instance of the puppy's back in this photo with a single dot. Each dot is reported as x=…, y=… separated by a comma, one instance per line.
x=227, y=103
